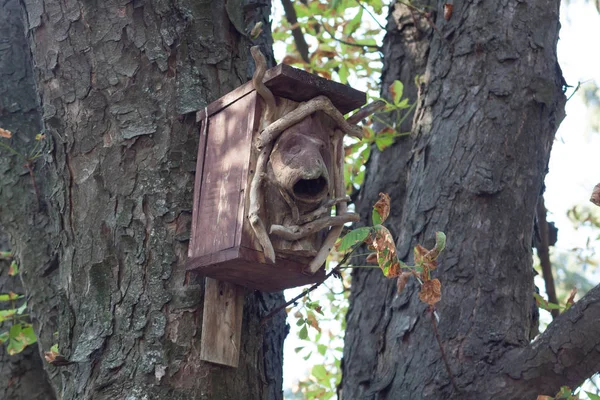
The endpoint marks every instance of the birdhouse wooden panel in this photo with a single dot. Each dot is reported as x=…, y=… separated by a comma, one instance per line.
x=269, y=171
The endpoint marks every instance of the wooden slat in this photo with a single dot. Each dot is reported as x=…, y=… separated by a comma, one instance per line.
x=294, y=84
x=298, y=85
x=247, y=267
x=224, y=177
x=222, y=322
x=194, y=239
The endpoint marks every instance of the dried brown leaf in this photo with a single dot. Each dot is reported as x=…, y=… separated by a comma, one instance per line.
x=419, y=254
x=571, y=299
x=596, y=195
x=431, y=292
x=383, y=206
x=5, y=133
x=448, y=11
x=312, y=320
x=387, y=256
x=402, y=281
x=290, y=59
x=50, y=356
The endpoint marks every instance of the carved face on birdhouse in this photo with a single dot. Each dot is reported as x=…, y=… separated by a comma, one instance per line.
x=300, y=182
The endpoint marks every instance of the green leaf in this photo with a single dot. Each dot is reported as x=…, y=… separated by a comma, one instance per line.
x=376, y=217
x=319, y=372
x=354, y=23
x=13, y=269
x=21, y=309
x=300, y=322
x=4, y=336
x=7, y=314
x=353, y=237
x=28, y=335
x=592, y=396
x=303, y=334
x=440, y=241
x=322, y=349
x=6, y=254
x=10, y=296
x=54, y=348
x=396, y=90
x=384, y=141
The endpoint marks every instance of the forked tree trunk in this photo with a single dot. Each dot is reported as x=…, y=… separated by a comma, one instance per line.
x=118, y=84
x=490, y=104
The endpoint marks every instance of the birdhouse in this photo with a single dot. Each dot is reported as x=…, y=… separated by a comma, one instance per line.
x=269, y=174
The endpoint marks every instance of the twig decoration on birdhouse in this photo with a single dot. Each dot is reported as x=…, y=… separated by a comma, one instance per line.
x=276, y=119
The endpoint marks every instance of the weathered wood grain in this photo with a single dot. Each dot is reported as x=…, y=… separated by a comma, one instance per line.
x=222, y=322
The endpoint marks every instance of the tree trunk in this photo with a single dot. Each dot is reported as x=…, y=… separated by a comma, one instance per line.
x=118, y=83
x=22, y=375
x=489, y=106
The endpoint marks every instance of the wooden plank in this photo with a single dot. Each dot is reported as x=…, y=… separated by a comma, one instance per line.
x=294, y=84
x=194, y=239
x=298, y=85
x=247, y=267
x=222, y=322
x=225, y=173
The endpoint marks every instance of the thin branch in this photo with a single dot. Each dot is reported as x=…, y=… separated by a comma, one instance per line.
x=366, y=111
x=574, y=90
x=339, y=191
x=319, y=103
x=297, y=232
x=439, y=340
x=334, y=271
x=371, y=46
x=295, y=299
x=369, y=12
x=290, y=15
x=544, y=254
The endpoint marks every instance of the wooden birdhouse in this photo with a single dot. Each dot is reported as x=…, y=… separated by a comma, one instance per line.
x=269, y=173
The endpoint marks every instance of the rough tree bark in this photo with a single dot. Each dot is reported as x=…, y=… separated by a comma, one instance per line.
x=22, y=376
x=489, y=106
x=103, y=253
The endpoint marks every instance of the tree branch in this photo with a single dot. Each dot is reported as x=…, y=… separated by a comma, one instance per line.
x=371, y=46
x=290, y=15
x=543, y=252
x=567, y=353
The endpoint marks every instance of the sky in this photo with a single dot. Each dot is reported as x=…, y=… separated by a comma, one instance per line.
x=573, y=167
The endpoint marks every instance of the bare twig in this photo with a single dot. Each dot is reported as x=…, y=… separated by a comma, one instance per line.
x=290, y=15
x=439, y=340
x=574, y=90
x=544, y=254
x=324, y=209
x=334, y=271
x=369, y=12
x=371, y=46
x=319, y=103
x=297, y=232
x=341, y=208
x=259, y=86
x=367, y=110
x=256, y=190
